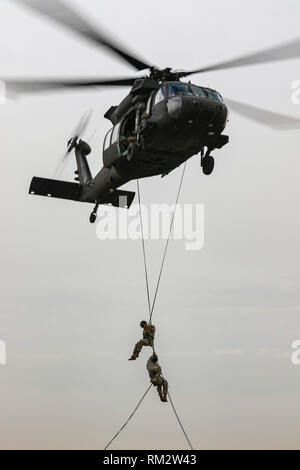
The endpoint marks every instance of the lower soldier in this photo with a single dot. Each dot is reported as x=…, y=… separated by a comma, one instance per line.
x=148, y=339
x=156, y=378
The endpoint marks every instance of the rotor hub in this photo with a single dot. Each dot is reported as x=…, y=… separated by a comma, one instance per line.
x=166, y=74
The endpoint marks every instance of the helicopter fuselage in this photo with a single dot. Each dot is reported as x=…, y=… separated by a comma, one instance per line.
x=157, y=127
x=158, y=137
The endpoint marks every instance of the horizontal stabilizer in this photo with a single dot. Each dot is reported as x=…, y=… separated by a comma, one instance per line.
x=72, y=191
x=55, y=188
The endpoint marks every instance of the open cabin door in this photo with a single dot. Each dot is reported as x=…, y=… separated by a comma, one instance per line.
x=118, y=138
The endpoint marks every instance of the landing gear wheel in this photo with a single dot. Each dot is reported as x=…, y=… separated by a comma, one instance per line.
x=132, y=151
x=93, y=217
x=208, y=164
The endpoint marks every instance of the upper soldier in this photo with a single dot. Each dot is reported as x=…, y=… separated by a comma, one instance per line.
x=148, y=339
x=156, y=378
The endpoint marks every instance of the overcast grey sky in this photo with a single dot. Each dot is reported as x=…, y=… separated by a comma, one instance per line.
x=70, y=304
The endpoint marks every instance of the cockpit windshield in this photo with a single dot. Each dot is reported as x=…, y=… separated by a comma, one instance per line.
x=197, y=90
x=186, y=89
x=213, y=94
x=179, y=89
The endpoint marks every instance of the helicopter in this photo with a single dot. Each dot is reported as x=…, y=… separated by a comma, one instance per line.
x=164, y=120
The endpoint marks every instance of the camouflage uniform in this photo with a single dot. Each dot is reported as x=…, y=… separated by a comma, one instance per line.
x=148, y=339
x=156, y=378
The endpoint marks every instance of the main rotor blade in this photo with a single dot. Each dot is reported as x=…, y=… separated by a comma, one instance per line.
x=284, y=52
x=28, y=85
x=58, y=11
x=268, y=118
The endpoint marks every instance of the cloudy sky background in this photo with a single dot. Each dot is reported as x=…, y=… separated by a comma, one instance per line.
x=71, y=304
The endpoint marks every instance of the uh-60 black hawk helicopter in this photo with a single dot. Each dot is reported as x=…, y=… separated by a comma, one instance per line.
x=163, y=121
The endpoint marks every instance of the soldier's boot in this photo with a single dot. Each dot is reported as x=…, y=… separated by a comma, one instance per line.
x=137, y=350
x=133, y=357
x=165, y=387
x=163, y=396
x=160, y=393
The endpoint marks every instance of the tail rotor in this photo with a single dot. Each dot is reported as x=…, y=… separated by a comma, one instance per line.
x=73, y=140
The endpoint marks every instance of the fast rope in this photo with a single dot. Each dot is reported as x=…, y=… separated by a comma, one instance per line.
x=166, y=247
x=167, y=243
x=153, y=304
x=143, y=243
x=159, y=278
x=135, y=409
x=178, y=419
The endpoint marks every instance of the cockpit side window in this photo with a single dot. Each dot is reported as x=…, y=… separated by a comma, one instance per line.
x=179, y=89
x=160, y=96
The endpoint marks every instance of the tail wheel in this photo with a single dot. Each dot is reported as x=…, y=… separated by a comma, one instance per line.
x=132, y=151
x=93, y=217
x=208, y=164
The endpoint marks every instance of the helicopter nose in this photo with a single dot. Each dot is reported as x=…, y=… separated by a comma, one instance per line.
x=198, y=110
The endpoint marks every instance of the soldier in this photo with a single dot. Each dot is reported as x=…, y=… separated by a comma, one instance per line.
x=156, y=378
x=148, y=339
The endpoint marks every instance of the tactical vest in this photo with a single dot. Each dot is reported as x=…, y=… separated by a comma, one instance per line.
x=149, y=333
